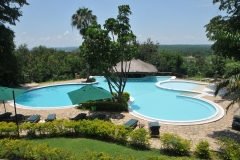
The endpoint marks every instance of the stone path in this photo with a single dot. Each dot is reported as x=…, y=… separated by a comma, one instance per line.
x=195, y=133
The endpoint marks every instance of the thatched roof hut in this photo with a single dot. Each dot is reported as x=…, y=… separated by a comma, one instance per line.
x=138, y=66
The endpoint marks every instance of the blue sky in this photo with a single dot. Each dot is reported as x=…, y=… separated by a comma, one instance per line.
x=48, y=22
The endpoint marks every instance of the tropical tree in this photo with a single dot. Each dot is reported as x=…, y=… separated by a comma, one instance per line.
x=224, y=32
x=105, y=52
x=9, y=13
x=82, y=19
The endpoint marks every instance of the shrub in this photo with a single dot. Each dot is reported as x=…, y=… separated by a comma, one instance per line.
x=8, y=129
x=22, y=149
x=202, y=150
x=125, y=96
x=174, y=143
x=139, y=138
x=92, y=79
x=105, y=106
x=229, y=148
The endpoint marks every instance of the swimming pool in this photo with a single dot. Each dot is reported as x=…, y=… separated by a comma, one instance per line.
x=150, y=101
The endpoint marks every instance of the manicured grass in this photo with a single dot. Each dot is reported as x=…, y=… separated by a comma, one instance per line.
x=79, y=145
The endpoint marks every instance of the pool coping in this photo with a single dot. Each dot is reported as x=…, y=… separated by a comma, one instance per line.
x=218, y=115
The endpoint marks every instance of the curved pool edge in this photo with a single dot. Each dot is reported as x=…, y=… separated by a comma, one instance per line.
x=11, y=103
x=217, y=116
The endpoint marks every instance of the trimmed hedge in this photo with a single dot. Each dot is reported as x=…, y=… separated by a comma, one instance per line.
x=96, y=129
x=105, y=106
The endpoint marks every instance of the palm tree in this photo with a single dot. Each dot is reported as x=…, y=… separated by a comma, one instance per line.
x=82, y=19
x=232, y=85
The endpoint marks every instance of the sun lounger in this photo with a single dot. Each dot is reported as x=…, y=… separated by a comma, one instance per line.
x=34, y=118
x=131, y=123
x=16, y=118
x=236, y=118
x=50, y=117
x=236, y=122
x=5, y=115
x=79, y=117
x=154, y=128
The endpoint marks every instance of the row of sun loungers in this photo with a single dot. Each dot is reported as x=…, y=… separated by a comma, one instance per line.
x=36, y=117
x=19, y=118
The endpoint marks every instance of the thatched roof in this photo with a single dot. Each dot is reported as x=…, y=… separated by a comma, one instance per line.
x=138, y=66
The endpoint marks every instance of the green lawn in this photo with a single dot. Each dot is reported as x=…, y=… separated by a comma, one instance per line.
x=79, y=145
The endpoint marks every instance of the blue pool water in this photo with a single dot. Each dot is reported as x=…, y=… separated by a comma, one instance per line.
x=179, y=85
x=150, y=100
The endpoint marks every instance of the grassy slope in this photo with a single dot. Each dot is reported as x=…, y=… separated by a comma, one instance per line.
x=79, y=145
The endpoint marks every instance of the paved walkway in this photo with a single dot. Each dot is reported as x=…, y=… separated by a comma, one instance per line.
x=195, y=133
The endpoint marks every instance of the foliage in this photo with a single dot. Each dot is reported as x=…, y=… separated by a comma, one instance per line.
x=176, y=144
x=10, y=10
x=233, y=88
x=99, y=45
x=9, y=13
x=22, y=149
x=125, y=96
x=229, y=148
x=8, y=129
x=62, y=127
x=147, y=50
x=139, y=138
x=91, y=79
x=8, y=71
x=43, y=64
x=82, y=19
x=105, y=105
x=187, y=50
x=218, y=64
x=224, y=30
x=202, y=150
x=232, y=68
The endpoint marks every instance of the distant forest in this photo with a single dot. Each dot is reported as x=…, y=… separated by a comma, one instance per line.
x=188, y=50
x=185, y=50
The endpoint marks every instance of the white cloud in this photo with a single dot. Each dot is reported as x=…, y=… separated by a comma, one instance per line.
x=48, y=38
x=23, y=33
x=59, y=37
x=67, y=32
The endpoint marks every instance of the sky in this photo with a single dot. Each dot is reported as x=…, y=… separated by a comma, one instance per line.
x=48, y=22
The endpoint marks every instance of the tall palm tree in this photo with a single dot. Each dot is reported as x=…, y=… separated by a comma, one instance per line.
x=232, y=85
x=82, y=19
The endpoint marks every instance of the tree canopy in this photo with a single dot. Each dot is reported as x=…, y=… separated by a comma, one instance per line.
x=10, y=10
x=104, y=52
x=224, y=30
x=9, y=13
